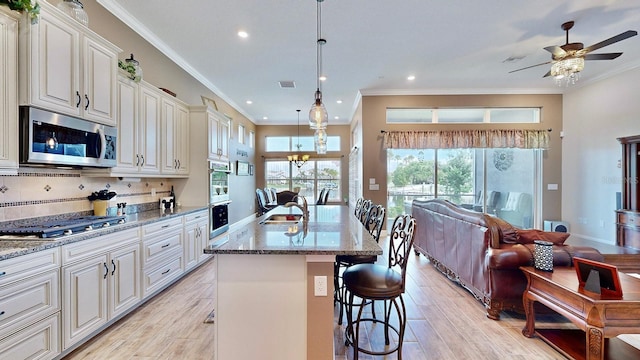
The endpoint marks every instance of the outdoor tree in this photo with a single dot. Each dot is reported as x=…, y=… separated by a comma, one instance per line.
x=455, y=174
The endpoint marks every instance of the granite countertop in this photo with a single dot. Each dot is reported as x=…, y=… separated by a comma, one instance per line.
x=332, y=230
x=16, y=246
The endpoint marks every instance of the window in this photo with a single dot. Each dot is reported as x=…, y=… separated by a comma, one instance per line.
x=290, y=143
x=501, y=182
x=252, y=139
x=241, y=138
x=463, y=115
x=308, y=180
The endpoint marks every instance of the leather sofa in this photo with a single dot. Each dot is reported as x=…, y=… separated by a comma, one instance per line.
x=483, y=253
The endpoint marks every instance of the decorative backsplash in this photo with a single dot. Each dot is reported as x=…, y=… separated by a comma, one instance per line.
x=37, y=192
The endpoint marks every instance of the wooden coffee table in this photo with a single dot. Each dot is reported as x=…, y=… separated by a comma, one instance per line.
x=598, y=318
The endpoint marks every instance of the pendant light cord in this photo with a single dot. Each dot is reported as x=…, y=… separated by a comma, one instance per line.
x=318, y=43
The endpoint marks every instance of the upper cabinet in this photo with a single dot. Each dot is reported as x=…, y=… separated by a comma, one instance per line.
x=218, y=136
x=175, y=137
x=8, y=91
x=67, y=68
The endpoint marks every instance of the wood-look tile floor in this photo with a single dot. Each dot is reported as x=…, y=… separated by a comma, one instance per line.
x=445, y=322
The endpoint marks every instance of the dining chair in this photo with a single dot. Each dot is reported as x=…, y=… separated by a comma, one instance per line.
x=386, y=283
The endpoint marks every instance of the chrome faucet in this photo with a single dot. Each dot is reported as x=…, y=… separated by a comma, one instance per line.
x=304, y=207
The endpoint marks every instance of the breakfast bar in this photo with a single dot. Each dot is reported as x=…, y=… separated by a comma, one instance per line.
x=274, y=290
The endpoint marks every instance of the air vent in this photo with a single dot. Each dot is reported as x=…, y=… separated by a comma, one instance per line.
x=287, y=84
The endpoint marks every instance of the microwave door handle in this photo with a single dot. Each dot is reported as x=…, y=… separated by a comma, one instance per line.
x=103, y=144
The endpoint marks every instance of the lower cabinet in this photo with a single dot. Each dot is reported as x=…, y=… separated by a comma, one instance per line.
x=162, y=254
x=38, y=341
x=196, y=236
x=100, y=280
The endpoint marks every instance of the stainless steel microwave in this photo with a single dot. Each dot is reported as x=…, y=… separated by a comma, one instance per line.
x=53, y=139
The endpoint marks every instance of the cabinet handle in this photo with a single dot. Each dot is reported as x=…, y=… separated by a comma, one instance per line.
x=106, y=270
x=165, y=272
x=2, y=273
x=178, y=164
x=175, y=163
x=165, y=226
x=79, y=99
x=1, y=312
x=114, y=267
x=142, y=157
x=137, y=159
x=165, y=246
x=86, y=98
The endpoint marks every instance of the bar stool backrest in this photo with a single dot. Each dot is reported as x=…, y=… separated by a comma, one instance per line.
x=375, y=220
x=358, y=208
x=320, y=197
x=400, y=243
x=366, y=206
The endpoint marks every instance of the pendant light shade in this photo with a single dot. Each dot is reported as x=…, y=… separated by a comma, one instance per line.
x=318, y=117
x=320, y=140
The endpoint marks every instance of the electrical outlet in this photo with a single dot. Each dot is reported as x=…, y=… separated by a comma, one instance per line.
x=320, y=286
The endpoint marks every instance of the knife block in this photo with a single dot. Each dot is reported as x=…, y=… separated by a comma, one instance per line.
x=100, y=207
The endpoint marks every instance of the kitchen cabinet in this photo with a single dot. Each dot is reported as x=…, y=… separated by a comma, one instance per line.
x=100, y=281
x=8, y=92
x=30, y=306
x=162, y=254
x=196, y=235
x=148, y=138
x=175, y=135
x=67, y=68
x=218, y=136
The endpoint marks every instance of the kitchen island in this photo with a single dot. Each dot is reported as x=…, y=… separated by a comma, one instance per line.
x=274, y=283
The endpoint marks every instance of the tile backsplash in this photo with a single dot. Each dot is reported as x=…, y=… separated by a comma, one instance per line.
x=36, y=192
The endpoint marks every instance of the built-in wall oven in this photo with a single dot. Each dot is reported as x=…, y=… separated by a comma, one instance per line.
x=219, y=197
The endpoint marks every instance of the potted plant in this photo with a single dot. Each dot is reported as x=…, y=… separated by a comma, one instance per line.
x=31, y=7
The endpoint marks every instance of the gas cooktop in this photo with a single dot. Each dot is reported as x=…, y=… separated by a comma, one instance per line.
x=56, y=228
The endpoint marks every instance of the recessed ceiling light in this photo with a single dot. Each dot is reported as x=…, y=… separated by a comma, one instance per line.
x=265, y=118
x=411, y=77
x=322, y=78
x=249, y=102
x=339, y=101
x=336, y=117
x=243, y=34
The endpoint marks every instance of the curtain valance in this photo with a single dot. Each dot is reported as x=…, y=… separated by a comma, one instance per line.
x=466, y=139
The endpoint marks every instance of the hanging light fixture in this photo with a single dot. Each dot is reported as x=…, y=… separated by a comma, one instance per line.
x=318, y=117
x=567, y=70
x=298, y=159
x=320, y=140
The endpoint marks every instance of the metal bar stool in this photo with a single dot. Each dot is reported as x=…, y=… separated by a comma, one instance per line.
x=381, y=283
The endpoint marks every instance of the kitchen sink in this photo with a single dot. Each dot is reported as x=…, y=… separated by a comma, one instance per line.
x=282, y=219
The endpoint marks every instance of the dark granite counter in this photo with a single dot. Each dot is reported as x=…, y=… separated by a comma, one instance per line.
x=332, y=230
x=16, y=246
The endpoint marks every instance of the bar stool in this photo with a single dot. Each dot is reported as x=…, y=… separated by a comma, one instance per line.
x=381, y=283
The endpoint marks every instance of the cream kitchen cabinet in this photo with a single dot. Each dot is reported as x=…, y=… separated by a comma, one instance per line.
x=100, y=281
x=162, y=254
x=196, y=236
x=30, y=306
x=67, y=68
x=8, y=92
x=175, y=135
x=218, y=136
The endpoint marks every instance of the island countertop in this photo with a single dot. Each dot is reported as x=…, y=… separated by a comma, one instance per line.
x=331, y=230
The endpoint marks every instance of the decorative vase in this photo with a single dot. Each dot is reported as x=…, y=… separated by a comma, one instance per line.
x=543, y=255
x=75, y=9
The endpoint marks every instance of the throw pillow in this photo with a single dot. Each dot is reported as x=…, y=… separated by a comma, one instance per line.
x=530, y=235
x=508, y=233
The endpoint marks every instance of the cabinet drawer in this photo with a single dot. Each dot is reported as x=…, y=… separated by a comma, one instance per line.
x=200, y=215
x=38, y=341
x=28, y=300
x=156, y=278
x=153, y=249
x=99, y=245
x=162, y=226
x=23, y=266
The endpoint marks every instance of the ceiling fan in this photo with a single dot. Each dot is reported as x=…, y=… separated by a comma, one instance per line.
x=568, y=60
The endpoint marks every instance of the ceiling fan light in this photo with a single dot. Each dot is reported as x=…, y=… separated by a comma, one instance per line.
x=568, y=69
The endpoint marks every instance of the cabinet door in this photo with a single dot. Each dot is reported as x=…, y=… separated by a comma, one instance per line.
x=169, y=161
x=84, y=298
x=203, y=227
x=223, y=139
x=214, y=130
x=149, y=130
x=8, y=92
x=191, y=244
x=182, y=139
x=99, y=81
x=126, y=115
x=124, y=288
x=55, y=68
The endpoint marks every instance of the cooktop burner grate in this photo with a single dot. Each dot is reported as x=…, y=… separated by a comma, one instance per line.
x=57, y=228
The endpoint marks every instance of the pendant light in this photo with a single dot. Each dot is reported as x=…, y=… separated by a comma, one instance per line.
x=297, y=159
x=318, y=117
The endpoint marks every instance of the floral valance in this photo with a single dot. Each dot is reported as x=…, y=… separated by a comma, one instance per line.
x=466, y=139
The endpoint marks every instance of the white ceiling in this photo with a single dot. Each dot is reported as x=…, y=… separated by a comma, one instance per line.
x=452, y=47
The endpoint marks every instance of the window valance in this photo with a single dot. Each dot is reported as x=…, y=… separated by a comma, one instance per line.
x=466, y=139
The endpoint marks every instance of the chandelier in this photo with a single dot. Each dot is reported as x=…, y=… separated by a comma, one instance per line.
x=298, y=159
x=567, y=70
x=318, y=117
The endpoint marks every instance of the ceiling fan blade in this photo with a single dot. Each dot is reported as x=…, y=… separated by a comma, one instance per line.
x=529, y=67
x=625, y=35
x=547, y=74
x=556, y=51
x=607, y=56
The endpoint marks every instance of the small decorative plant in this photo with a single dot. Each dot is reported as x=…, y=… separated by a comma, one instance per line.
x=31, y=7
x=131, y=66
